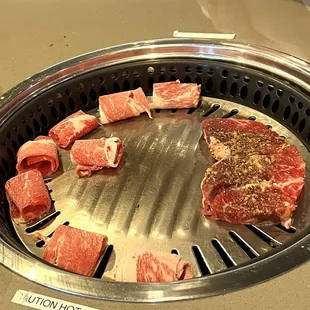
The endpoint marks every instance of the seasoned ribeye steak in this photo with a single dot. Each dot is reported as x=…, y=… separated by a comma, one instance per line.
x=252, y=204
x=250, y=184
x=233, y=137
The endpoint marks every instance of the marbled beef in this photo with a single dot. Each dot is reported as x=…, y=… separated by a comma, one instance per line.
x=175, y=95
x=28, y=196
x=39, y=154
x=72, y=128
x=95, y=154
x=123, y=105
x=152, y=266
x=75, y=250
x=258, y=178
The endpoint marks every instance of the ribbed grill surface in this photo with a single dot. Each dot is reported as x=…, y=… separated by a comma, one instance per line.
x=153, y=198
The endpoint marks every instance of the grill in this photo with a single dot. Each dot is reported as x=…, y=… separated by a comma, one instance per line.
x=153, y=199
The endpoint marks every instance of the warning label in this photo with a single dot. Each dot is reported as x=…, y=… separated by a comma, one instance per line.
x=37, y=301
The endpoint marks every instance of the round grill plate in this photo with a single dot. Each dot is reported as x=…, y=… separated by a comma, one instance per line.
x=153, y=199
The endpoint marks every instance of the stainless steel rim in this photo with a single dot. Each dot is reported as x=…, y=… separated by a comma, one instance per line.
x=287, y=67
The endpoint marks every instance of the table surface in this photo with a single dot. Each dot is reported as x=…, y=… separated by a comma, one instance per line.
x=36, y=34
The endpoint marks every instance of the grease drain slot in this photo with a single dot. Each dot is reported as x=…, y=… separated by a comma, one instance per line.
x=244, y=245
x=264, y=236
x=203, y=266
x=226, y=257
x=104, y=262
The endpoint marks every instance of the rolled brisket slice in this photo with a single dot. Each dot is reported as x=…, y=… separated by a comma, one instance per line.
x=28, y=195
x=95, y=154
x=39, y=154
x=72, y=128
x=75, y=250
x=152, y=266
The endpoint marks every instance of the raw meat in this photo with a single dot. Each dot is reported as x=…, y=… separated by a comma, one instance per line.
x=251, y=186
x=120, y=106
x=152, y=266
x=232, y=137
x=175, y=95
x=252, y=204
x=234, y=171
x=75, y=250
x=28, y=195
x=39, y=154
x=94, y=154
x=289, y=172
x=285, y=170
x=72, y=128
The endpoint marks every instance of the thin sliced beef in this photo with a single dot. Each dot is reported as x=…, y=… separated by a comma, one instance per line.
x=39, y=154
x=152, y=266
x=95, y=154
x=241, y=186
x=175, y=95
x=28, y=196
x=75, y=250
x=233, y=137
x=72, y=128
x=123, y=105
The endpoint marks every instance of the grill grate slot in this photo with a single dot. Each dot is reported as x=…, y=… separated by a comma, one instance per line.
x=233, y=89
x=243, y=92
x=226, y=257
x=126, y=85
x=192, y=110
x=40, y=243
x=223, y=87
x=93, y=95
x=209, y=85
x=201, y=261
x=231, y=113
x=291, y=230
x=42, y=223
x=266, y=101
x=102, y=91
x=213, y=108
x=175, y=251
x=265, y=237
x=243, y=244
x=47, y=180
x=187, y=79
x=104, y=262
